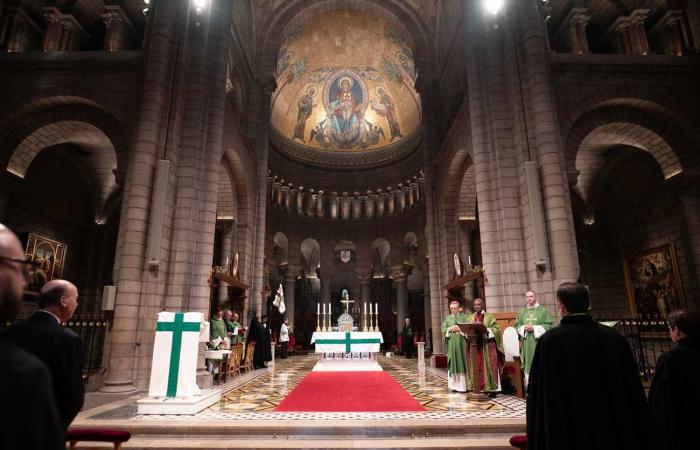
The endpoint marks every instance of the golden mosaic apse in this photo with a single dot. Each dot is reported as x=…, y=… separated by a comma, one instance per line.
x=345, y=83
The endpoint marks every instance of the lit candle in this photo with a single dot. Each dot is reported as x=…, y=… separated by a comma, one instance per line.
x=318, y=308
x=227, y=261
x=324, y=308
x=365, y=308
x=469, y=259
x=376, y=308
x=329, y=308
x=370, y=309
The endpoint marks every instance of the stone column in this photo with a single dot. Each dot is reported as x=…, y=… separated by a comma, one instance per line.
x=311, y=204
x=300, y=200
x=399, y=274
x=24, y=33
x=363, y=276
x=119, y=31
x=381, y=202
x=638, y=34
x=369, y=204
x=72, y=34
x=345, y=206
x=319, y=204
x=52, y=35
x=356, y=205
x=290, y=278
x=130, y=270
x=690, y=199
x=571, y=34
x=334, y=205
x=226, y=236
x=620, y=30
x=286, y=197
x=555, y=189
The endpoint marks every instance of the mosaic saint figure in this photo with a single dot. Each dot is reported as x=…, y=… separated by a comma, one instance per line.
x=306, y=105
x=345, y=115
x=385, y=108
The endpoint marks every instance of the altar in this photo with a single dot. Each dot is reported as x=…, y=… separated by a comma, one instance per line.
x=347, y=351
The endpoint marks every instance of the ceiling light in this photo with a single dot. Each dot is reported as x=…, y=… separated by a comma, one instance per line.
x=493, y=6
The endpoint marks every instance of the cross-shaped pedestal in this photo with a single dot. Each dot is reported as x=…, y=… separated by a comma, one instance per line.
x=177, y=327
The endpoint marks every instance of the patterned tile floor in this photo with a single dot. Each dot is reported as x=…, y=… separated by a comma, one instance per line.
x=255, y=395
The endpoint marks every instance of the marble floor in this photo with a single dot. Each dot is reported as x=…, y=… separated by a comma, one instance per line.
x=254, y=395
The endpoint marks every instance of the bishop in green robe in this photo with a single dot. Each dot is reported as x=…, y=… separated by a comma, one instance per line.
x=532, y=322
x=490, y=357
x=455, y=343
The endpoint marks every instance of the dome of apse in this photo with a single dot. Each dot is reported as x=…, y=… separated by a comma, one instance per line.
x=345, y=91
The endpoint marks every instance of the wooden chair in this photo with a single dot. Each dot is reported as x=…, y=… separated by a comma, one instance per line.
x=512, y=368
x=234, y=366
x=249, y=351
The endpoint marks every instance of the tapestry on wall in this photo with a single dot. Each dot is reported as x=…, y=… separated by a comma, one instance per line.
x=49, y=256
x=653, y=281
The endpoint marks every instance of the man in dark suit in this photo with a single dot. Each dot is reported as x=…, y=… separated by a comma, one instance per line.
x=30, y=417
x=58, y=347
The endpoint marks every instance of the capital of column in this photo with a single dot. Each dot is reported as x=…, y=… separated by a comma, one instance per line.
x=400, y=273
x=289, y=272
x=363, y=275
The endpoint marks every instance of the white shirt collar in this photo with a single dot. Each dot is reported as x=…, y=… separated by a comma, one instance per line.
x=50, y=313
x=536, y=305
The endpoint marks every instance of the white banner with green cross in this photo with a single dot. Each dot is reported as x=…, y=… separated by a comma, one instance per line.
x=174, y=367
x=346, y=342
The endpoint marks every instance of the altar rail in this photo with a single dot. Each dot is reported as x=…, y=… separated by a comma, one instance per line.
x=647, y=336
x=92, y=331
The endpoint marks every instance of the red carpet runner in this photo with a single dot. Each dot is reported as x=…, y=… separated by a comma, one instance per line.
x=348, y=392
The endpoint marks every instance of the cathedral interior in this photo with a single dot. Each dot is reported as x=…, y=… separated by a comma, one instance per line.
x=197, y=154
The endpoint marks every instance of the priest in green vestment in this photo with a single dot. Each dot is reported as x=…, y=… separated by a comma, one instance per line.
x=217, y=326
x=532, y=322
x=234, y=330
x=490, y=356
x=455, y=344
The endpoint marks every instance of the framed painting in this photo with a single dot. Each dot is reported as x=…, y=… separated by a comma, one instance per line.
x=49, y=256
x=653, y=281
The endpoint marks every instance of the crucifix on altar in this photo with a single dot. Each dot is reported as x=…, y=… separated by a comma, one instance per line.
x=345, y=299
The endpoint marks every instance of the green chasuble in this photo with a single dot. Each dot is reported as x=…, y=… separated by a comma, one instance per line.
x=490, y=375
x=455, y=344
x=542, y=320
x=232, y=326
x=217, y=328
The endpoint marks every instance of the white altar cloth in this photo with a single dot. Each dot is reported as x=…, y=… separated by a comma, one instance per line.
x=346, y=351
x=347, y=342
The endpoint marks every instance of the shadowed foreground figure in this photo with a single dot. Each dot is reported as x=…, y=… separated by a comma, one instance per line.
x=585, y=392
x=58, y=347
x=675, y=391
x=29, y=416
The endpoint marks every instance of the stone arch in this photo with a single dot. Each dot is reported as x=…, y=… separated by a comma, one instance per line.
x=280, y=248
x=380, y=254
x=399, y=12
x=226, y=205
x=597, y=133
x=86, y=144
x=311, y=257
x=45, y=112
x=410, y=248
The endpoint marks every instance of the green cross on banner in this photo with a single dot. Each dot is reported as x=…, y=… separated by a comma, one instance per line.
x=348, y=341
x=177, y=327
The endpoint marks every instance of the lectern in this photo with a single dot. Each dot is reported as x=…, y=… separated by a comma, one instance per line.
x=476, y=334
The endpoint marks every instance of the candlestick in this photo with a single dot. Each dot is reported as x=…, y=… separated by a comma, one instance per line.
x=318, y=325
x=376, y=318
